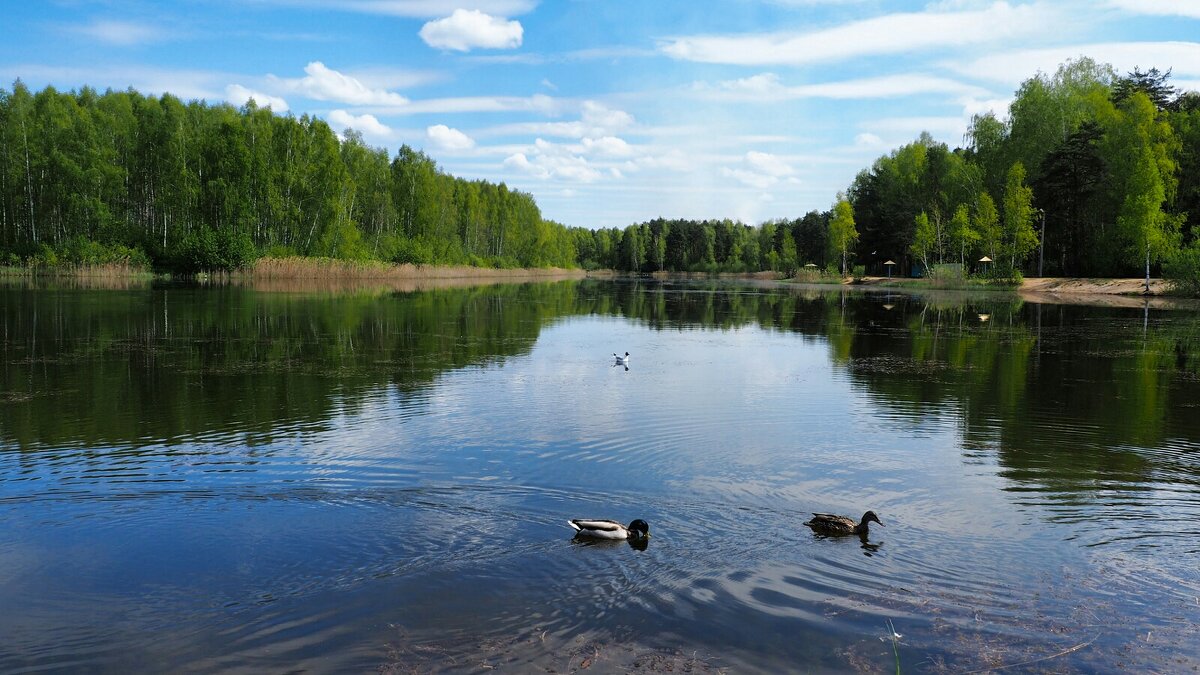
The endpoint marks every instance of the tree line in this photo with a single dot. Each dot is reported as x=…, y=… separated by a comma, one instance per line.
x=1091, y=174
x=662, y=245
x=91, y=178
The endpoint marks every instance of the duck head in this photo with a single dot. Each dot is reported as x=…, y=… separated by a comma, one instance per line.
x=639, y=528
x=870, y=517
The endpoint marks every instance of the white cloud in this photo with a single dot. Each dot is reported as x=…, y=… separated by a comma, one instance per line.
x=996, y=106
x=598, y=116
x=185, y=84
x=949, y=130
x=607, y=146
x=552, y=161
x=239, y=95
x=383, y=77
x=429, y=8
x=467, y=29
x=888, y=34
x=760, y=170
x=121, y=33
x=367, y=125
x=1013, y=67
x=595, y=121
x=449, y=139
x=1185, y=8
x=768, y=164
x=867, y=140
x=768, y=87
x=763, y=83
x=325, y=84
x=539, y=103
x=754, y=180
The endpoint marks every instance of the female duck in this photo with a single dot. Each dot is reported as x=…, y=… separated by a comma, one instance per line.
x=827, y=523
x=609, y=529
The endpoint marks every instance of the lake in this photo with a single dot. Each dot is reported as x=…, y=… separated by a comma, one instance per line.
x=229, y=479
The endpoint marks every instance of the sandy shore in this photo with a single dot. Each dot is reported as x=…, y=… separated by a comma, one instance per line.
x=1057, y=285
x=1093, y=286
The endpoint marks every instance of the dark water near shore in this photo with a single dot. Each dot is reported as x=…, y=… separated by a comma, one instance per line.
x=222, y=479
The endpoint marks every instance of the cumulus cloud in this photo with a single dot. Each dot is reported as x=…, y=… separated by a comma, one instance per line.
x=889, y=34
x=596, y=153
x=325, y=84
x=239, y=95
x=449, y=139
x=367, y=125
x=551, y=161
x=607, y=146
x=467, y=29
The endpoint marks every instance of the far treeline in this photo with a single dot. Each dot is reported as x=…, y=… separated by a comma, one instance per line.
x=1090, y=174
x=92, y=179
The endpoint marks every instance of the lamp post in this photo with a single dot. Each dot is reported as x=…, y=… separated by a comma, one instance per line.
x=1042, y=243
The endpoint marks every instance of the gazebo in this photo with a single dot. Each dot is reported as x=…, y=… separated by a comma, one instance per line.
x=888, y=264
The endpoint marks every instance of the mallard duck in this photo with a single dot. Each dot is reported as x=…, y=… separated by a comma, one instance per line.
x=621, y=360
x=827, y=523
x=609, y=529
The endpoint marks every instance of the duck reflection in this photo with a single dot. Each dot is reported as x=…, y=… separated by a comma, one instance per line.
x=638, y=544
x=868, y=547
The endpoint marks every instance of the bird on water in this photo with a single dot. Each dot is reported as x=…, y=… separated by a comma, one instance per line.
x=593, y=528
x=827, y=523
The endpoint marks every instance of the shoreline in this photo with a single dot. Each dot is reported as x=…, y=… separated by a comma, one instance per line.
x=1045, y=285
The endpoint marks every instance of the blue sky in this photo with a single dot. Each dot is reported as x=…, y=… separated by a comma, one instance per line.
x=609, y=112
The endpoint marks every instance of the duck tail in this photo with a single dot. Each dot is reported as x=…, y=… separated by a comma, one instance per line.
x=574, y=526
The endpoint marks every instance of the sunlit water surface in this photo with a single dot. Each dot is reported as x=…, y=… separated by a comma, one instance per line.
x=227, y=480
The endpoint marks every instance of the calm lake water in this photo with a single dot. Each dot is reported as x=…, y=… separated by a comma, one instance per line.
x=224, y=479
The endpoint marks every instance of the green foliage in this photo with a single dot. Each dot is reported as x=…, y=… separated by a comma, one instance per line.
x=960, y=234
x=842, y=233
x=924, y=240
x=1001, y=273
x=202, y=187
x=412, y=252
x=1182, y=270
x=1019, y=237
x=83, y=252
x=987, y=226
x=1112, y=163
x=948, y=275
x=206, y=250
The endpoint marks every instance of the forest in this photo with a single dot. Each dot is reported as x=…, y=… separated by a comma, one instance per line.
x=1091, y=173
x=118, y=177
